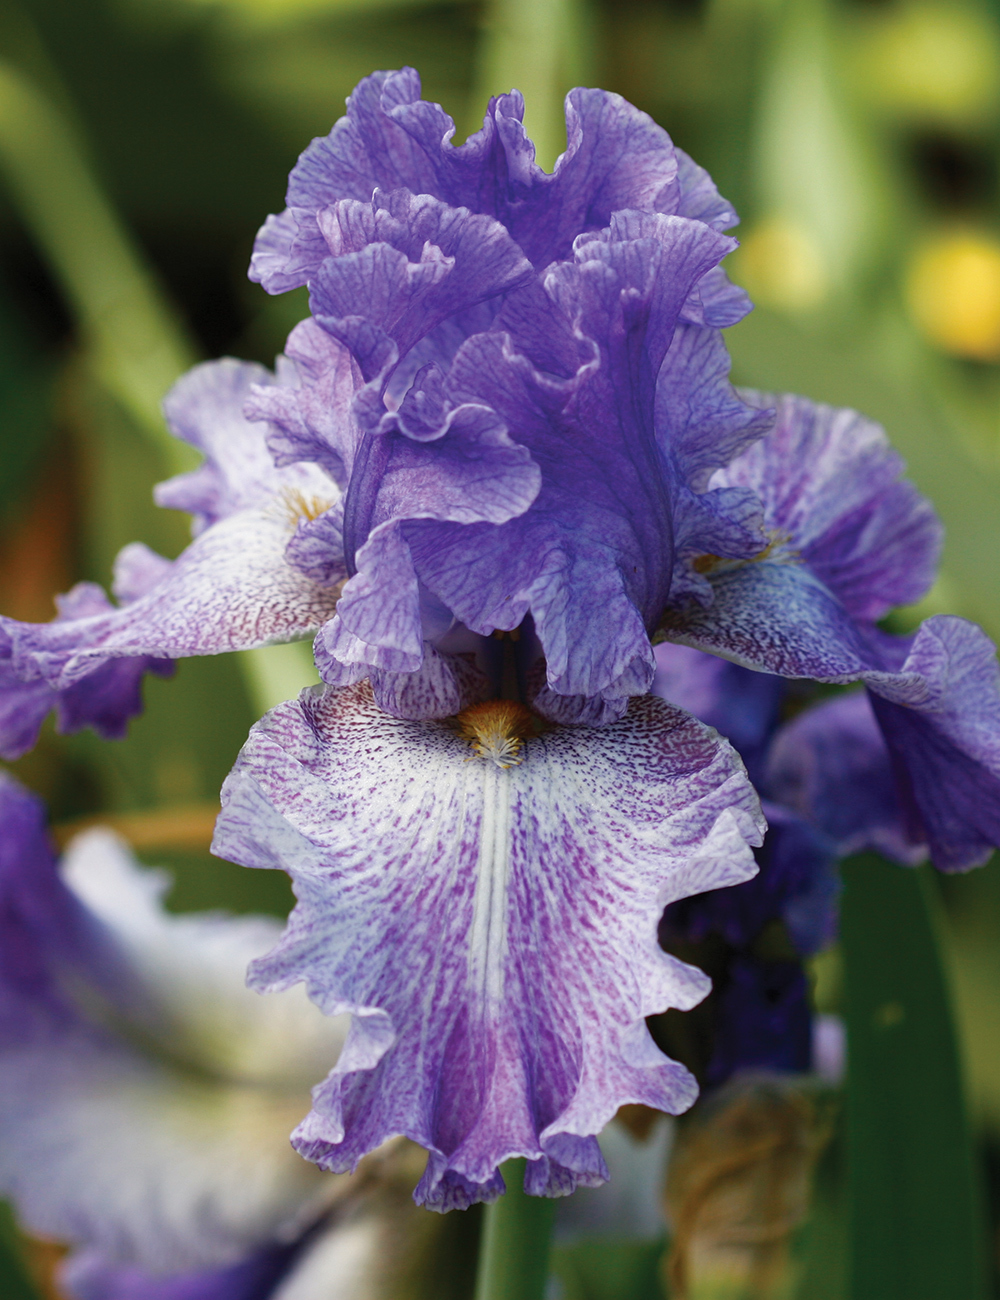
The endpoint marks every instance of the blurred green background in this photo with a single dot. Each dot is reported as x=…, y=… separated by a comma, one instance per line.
x=859, y=139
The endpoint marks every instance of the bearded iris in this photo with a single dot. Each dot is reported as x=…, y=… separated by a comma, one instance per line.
x=499, y=459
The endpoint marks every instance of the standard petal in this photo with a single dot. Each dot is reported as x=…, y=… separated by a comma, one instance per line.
x=832, y=489
x=492, y=931
x=602, y=522
x=205, y=408
x=616, y=158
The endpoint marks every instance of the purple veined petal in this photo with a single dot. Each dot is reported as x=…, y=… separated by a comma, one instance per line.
x=698, y=198
x=105, y=700
x=310, y=413
x=831, y=766
x=492, y=930
x=232, y=588
x=936, y=697
x=147, y=1093
x=616, y=157
x=701, y=420
x=716, y=302
x=602, y=520
x=831, y=485
x=205, y=409
x=399, y=266
x=473, y=473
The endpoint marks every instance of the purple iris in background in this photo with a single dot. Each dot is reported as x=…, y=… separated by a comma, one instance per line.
x=500, y=459
x=147, y=1094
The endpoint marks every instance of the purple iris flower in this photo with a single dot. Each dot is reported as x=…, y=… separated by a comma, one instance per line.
x=531, y=391
x=500, y=456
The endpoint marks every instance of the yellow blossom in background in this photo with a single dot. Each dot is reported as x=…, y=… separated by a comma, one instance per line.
x=780, y=265
x=938, y=63
x=953, y=293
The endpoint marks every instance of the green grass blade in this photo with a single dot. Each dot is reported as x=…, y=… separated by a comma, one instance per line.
x=916, y=1215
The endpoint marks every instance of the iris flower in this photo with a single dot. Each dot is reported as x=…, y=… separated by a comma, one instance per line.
x=499, y=459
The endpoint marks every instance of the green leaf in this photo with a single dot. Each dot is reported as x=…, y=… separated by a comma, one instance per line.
x=916, y=1214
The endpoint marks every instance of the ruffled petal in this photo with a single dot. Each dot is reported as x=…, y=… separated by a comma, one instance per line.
x=832, y=491
x=399, y=265
x=616, y=158
x=205, y=409
x=492, y=931
x=602, y=521
x=130, y=1126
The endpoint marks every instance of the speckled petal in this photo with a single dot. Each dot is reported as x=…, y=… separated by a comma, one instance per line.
x=231, y=589
x=831, y=485
x=493, y=932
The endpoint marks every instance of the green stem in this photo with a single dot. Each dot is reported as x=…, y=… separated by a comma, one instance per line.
x=517, y=1241
x=542, y=48
x=137, y=346
x=916, y=1212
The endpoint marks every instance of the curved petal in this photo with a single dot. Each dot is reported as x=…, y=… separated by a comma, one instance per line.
x=831, y=766
x=104, y=700
x=232, y=588
x=492, y=930
x=399, y=265
x=616, y=158
x=117, y=1133
x=601, y=523
x=205, y=408
x=945, y=747
x=832, y=492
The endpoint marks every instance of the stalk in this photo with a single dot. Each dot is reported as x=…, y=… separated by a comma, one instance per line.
x=517, y=1242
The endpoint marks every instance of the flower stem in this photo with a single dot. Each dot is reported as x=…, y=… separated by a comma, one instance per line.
x=517, y=1238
